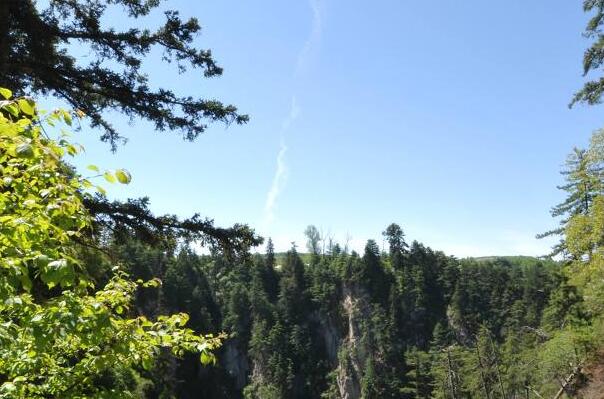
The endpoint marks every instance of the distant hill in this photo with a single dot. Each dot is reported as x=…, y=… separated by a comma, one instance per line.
x=281, y=256
x=520, y=260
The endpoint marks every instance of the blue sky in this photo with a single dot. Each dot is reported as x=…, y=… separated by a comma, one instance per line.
x=449, y=118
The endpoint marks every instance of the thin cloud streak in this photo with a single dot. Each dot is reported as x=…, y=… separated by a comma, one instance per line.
x=294, y=112
x=280, y=177
x=279, y=181
x=313, y=40
x=304, y=59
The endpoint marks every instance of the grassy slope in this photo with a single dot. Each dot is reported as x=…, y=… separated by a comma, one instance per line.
x=518, y=260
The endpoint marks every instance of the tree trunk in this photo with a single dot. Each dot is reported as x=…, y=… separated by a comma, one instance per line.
x=503, y=394
x=568, y=380
x=452, y=378
x=482, y=376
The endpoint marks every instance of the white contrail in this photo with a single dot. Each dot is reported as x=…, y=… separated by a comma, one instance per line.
x=294, y=112
x=311, y=43
x=279, y=181
x=281, y=173
x=280, y=177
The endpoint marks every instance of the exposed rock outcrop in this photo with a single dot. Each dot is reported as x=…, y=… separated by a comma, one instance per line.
x=236, y=363
x=352, y=356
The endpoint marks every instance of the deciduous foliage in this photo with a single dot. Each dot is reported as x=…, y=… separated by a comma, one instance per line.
x=313, y=239
x=59, y=333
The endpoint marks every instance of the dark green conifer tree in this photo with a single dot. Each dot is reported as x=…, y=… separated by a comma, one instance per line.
x=269, y=276
x=396, y=240
x=418, y=378
x=593, y=59
x=374, y=275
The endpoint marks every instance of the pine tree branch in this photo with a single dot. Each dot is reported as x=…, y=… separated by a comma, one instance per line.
x=134, y=219
x=38, y=59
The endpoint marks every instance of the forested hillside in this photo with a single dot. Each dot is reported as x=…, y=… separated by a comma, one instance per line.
x=409, y=323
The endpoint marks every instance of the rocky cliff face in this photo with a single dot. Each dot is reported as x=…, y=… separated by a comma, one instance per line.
x=330, y=333
x=352, y=355
x=236, y=363
x=340, y=333
x=458, y=327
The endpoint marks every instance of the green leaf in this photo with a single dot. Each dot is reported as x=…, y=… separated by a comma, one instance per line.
x=8, y=387
x=42, y=261
x=67, y=118
x=27, y=106
x=147, y=363
x=206, y=358
x=72, y=149
x=153, y=283
x=109, y=177
x=93, y=168
x=123, y=176
x=12, y=108
x=56, y=271
x=26, y=282
x=6, y=93
x=25, y=150
x=101, y=190
x=15, y=300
